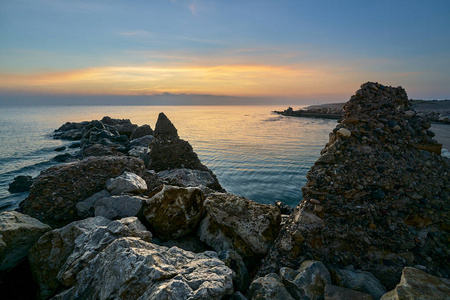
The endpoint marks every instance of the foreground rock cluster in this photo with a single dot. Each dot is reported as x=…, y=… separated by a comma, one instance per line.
x=136, y=215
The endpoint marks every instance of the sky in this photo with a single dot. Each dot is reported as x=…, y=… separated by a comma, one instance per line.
x=299, y=51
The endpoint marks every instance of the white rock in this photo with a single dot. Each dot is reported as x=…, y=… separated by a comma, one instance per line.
x=126, y=183
x=409, y=113
x=344, y=132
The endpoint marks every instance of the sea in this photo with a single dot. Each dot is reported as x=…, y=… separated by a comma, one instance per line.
x=254, y=152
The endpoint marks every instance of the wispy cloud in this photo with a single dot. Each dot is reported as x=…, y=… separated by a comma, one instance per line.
x=136, y=33
x=193, y=7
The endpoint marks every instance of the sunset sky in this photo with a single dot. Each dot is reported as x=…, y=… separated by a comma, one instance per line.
x=299, y=50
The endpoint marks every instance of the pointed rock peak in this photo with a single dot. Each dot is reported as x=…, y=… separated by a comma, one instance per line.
x=164, y=129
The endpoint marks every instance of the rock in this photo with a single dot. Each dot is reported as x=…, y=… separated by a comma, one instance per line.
x=86, y=209
x=409, y=113
x=416, y=284
x=57, y=190
x=268, y=287
x=373, y=192
x=75, y=145
x=164, y=129
x=238, y=296
x=20, y=184
x=63, y=157
x=168, y=151
x=59, y=255
x=59, y=149
x=99, y=150
x=141, y=131
x=18, y=233
x=142, y=141
x=234, y=261
x=187, y=178
x=361, y=281
x=126, y=183
x=344, y=132
x=237, y=223
x=174, y=211
x=188, y=242
x=308, y=282
x=115, y=207
x=333, y=292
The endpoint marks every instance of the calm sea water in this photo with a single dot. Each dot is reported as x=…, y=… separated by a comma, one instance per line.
x=253, y=152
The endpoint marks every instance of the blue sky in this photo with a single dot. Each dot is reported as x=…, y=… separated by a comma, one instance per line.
x=294, y=49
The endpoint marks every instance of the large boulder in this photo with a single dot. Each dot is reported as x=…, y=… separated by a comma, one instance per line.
x=333, y=292
x=416, y=284
x=126, y=183
x=174, y=211
x=18, y=233
x=130, y=268
x=237, y=223
x=379, y=197
x=57, y=190
x=61, y=254
x=308, y=282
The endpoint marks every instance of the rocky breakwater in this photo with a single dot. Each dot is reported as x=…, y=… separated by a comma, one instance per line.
x=377, y=198
x=314, y=112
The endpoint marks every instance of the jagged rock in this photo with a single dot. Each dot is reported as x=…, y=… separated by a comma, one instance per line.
x=168, y=152
x=375, y=195
x=237, y=223
x=164, y=129
x=86, y=209
x=188, y=242
x=361, y=281
x=57, y=190
x=333, y=292
x=18, y=232
x=268, y=287
x=308, y=282
x=141, y=131
x=187, y=178
x=234, y=261
x=174, y=211
x=416, y=284
x=130, y=268
x=20, y=184
x=59, y=255
x=126, y=183
x=118, y=206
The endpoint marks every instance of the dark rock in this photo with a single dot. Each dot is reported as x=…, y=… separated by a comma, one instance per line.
x=333, y=292
x=75, y=145
x=268, y=287
x=63, y=157
x=164, y=129
x=235, y=262
x=141, y=131
x=57, y=190
x=59, y=149
x=20, y=184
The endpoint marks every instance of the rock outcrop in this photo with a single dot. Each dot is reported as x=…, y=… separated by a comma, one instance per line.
x=57, y=190
x=18, y=233
x=377, y=198
x=168, y=151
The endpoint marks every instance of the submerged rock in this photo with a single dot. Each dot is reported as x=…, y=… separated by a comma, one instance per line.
x=18, y=233
x=20, y=184
x=57, y=190
x=377, y=199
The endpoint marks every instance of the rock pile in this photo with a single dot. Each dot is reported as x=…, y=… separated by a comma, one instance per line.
x=376, y=201
x=377, y=198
